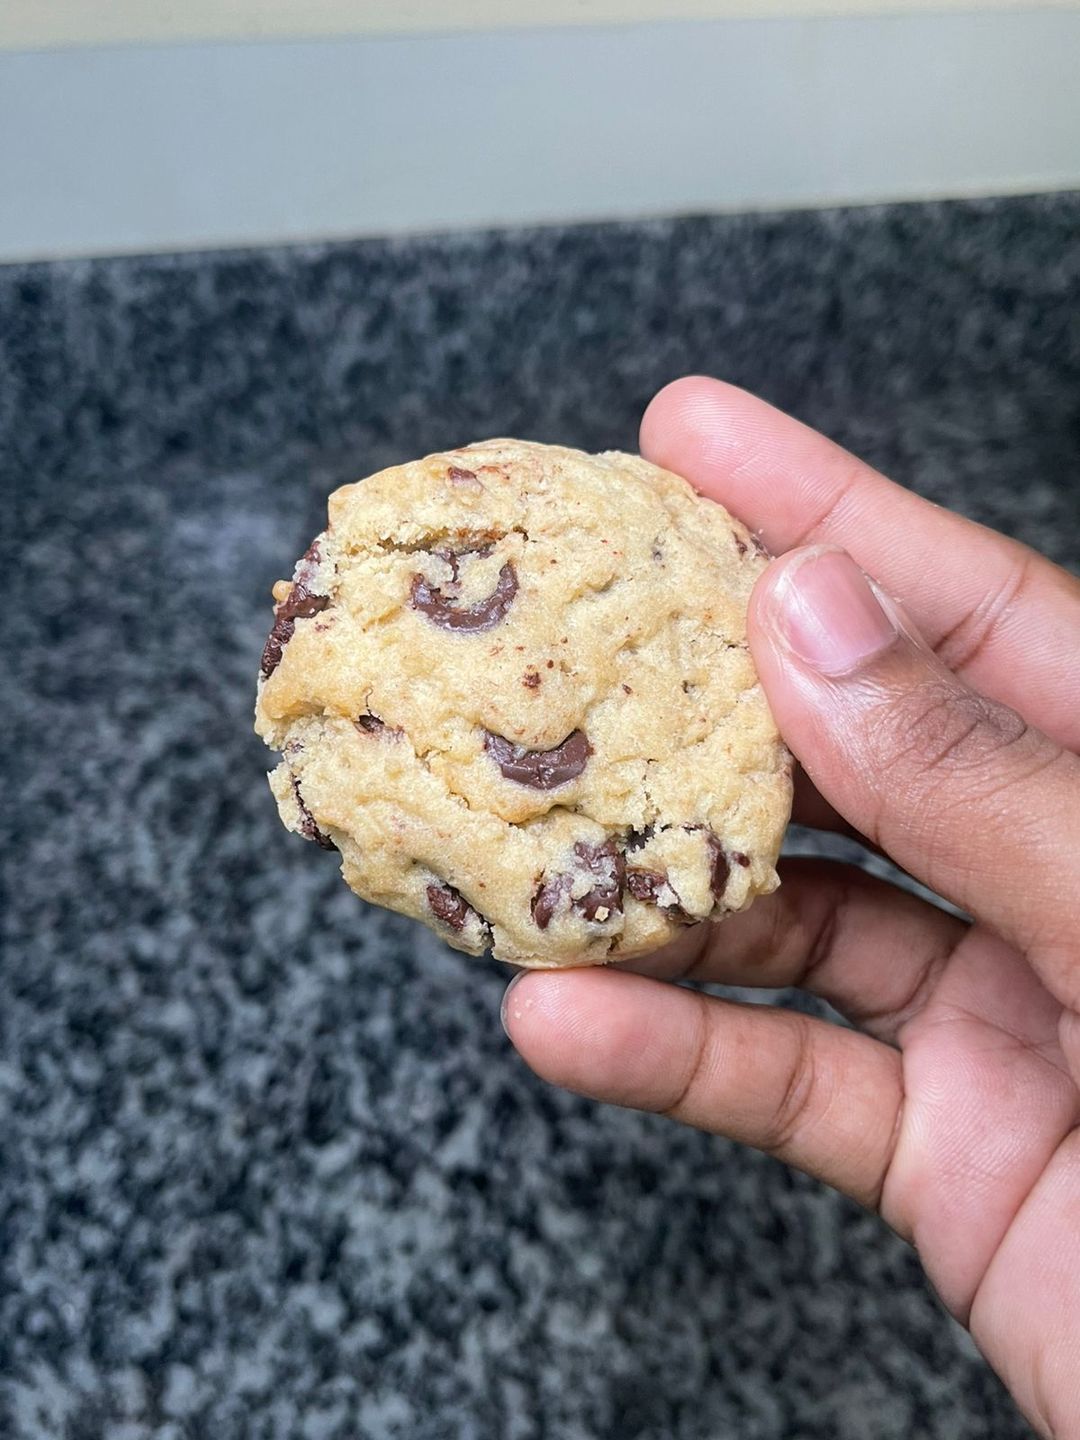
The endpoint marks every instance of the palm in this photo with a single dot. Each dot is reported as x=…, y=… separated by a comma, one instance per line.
x=985, y=1172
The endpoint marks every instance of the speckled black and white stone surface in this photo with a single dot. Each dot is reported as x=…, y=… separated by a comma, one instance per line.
x=268, y=1167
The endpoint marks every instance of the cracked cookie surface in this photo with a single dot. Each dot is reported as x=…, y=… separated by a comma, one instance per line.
x=511, y=686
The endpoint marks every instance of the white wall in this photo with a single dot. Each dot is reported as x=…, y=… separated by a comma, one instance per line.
x=30, y=24
x=151, y=147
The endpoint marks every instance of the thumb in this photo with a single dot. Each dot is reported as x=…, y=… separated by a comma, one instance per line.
x=957, y=788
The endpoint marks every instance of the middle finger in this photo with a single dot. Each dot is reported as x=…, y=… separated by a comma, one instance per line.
x=871, y=951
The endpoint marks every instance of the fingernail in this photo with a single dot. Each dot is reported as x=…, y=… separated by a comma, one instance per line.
x=504, y=1007
x=827, y=612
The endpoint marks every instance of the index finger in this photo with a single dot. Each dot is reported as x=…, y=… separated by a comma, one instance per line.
x=996, y=612
x=812, y=1094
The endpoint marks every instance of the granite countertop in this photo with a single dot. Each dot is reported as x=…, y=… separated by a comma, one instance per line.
x=268, y=1166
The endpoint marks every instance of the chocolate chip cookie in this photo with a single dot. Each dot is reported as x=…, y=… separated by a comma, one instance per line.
x=510, y=685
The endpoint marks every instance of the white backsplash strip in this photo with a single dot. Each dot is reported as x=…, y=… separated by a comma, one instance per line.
x=188, y=145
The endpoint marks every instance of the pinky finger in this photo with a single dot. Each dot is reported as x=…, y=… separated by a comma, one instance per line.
x=824, y=1099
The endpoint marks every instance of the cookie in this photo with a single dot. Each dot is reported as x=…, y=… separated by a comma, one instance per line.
x=510, y=685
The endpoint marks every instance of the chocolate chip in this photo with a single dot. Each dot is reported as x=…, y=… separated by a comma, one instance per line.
x=530, y=680
x=300, y=604
x=441, y=610
x=719, y=869
x=601, y=863
x=540, y=769
x=635, y=839
x=451, y=907
x=740, y=543
x=308, y=828
x=645, y=885
x=458, y=472
x=546, y=900
x=276, y=641
x=369, y=724
x=311, y=558
x=740, y=858
x=652, y=887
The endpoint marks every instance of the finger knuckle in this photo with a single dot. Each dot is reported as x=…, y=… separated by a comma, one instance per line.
x=846, y=478
x=795, y=1102
x=976, y=633
x=939, y=729
x=822, y=936
x=692, y=1080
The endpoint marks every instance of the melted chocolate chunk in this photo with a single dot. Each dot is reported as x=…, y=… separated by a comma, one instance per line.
x=740, y=858
x=441, y=610
x=308, y=828
x=369, y=724
x=601, y=863
x=451, y=907
x=652, y=887
x=646, y=885
x=548, y=898
x=719, y=869
x=540, y=769
x=300, y=604
x=276, y=641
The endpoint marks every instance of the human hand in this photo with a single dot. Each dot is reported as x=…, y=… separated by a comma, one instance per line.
x=942, y=732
